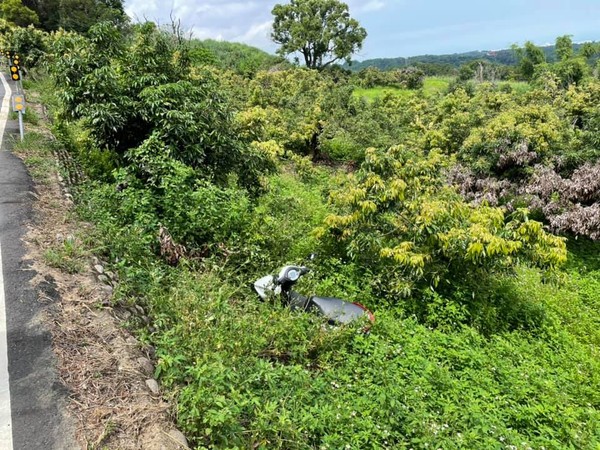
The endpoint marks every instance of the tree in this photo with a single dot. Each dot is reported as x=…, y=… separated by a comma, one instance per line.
x=529, y=57
x=318, y=29
x=589, y=49
x=564, y=47
x=28, y=42
x=81, y=15
x=76, y=15
x=570, y=69
x=47, y=11
x=482, y=70
x=15, y=12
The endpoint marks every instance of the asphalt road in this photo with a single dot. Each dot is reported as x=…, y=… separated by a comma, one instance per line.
x=37, y=399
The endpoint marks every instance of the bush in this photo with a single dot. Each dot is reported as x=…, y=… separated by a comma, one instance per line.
x=30, y=44
x=397, y=218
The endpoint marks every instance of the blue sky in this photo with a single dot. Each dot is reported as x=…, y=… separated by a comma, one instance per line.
x=395, y=27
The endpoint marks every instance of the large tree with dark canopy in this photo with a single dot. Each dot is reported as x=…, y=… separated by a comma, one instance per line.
x=321, y=30
x=76, y=15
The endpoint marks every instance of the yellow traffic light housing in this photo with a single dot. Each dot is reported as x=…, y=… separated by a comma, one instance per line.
x=14, y=73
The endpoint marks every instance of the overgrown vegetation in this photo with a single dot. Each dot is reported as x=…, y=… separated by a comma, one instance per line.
x=436, y=210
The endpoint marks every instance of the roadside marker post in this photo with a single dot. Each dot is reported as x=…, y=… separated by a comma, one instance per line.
x=18, y=106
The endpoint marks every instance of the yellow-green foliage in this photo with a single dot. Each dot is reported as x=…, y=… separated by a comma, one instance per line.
x=537, y=125
x=399, y=216
x=263, y=124
x=288, y=106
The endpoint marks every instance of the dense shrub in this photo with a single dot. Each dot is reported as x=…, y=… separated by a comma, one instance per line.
x=407, y=78
x=396, y=217
x=29, y=43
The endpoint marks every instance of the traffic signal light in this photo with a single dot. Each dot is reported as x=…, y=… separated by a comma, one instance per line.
x=14, y=73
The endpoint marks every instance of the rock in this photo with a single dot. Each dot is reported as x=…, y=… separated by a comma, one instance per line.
x=99, y=268
x=146, y=365
x=150, y=351
x=153, y=386
x=104, y=279
x=107, y=289
x=178, y=437
x=139, y=309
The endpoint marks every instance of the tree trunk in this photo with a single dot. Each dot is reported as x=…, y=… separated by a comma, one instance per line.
x=314, y=145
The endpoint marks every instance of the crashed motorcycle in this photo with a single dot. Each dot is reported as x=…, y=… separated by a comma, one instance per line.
x=335, y=310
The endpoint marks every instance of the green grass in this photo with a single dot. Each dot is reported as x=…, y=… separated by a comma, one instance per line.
x=279, y=380
x=373, y=93
x=30, y=116
x=431, y=86
x=520, y=87
x=36, y=151
x=435, y=85
x=68, y=256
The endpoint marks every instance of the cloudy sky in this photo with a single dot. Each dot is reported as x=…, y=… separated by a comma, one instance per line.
x=395, y=27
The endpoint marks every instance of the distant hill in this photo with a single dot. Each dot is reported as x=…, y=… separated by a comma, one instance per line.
x=505, y=57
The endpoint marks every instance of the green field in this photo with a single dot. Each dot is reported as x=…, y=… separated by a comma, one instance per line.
x=431, y=87
x=520, y=87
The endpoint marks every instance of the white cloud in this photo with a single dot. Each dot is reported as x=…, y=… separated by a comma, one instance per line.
x=226, y=9
x=245, y=21
x=138, y=9
x=258, y=35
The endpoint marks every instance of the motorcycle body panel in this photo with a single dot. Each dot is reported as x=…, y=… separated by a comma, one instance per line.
x=265, y=286
x=337, y=310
